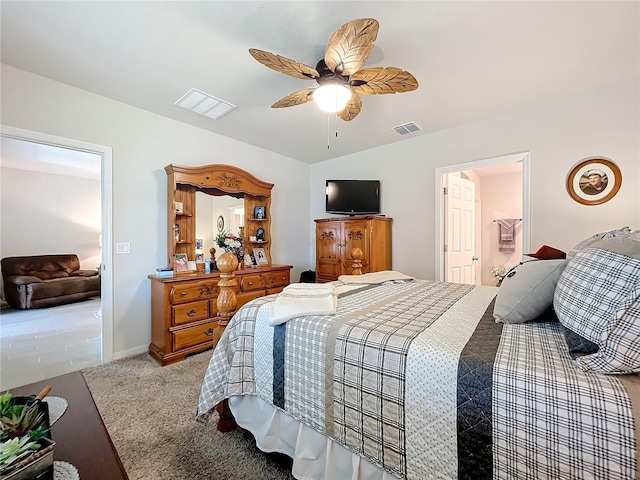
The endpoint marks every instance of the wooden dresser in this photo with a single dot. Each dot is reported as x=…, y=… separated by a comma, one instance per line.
x=184, y=311
x=337, y=237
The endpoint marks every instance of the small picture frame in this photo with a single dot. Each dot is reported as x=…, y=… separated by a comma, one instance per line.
x=594, y=181
x=261, y=256
x=259, y=213
x=199, y=257
x=181, y=263
x=179, y=207
x=220, y=224
x=199, y=243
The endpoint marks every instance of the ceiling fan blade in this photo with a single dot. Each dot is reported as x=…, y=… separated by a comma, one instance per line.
x=381, y=80
x=284, y=65
x=350, y=45
x=296, y=98
x=352, y=109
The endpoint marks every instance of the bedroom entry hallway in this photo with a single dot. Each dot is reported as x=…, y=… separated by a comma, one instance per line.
x=43, y=342
x=473, y=199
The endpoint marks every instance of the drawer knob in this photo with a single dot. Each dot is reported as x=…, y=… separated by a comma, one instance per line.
x=250, y=283
x=192, y=312
x=183, y=293
x=209, y=332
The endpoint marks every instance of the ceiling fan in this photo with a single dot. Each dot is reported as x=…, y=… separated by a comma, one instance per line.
x=338, y=74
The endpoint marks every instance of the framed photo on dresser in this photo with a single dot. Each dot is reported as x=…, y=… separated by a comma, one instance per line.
x=260, y=256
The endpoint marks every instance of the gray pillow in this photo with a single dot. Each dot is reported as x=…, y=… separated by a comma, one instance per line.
x=595, y=238
x=527, y=291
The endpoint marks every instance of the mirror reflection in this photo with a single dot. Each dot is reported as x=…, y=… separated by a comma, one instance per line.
x=208, y=210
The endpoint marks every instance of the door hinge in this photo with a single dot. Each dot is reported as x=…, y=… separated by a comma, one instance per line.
x=445, y=190
x=446, y=248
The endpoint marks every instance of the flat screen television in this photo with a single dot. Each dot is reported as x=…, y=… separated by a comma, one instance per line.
x=353, y=197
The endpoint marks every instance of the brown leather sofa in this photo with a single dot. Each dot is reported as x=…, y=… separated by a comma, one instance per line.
x=47, y=280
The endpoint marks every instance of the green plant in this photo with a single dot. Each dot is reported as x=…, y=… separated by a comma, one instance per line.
x=18, y=420
x=15, y=448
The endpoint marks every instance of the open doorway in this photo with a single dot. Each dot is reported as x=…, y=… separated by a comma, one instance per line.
x=42, y=161
x=472, y=201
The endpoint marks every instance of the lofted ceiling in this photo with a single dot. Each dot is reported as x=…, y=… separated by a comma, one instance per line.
x=473, y=59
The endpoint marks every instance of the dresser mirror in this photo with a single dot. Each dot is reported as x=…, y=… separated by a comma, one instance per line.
x=216, y=214
x=200, y=199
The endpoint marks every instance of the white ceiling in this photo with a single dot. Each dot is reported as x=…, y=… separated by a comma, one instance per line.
x=473, y=59
x=37, y=157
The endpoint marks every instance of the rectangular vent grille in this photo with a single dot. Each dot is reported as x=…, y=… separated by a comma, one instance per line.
x=406, y=128
x=204, y=104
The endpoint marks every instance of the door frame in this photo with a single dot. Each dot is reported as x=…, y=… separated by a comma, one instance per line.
x=440, y=232
x=106, y=154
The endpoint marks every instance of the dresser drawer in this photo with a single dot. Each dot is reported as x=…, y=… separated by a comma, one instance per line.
x=192, y=336
x=275, y=279
x=182, y=293
x=271, y=291
x=251, y=282
x=190, y=312
x=243, y=298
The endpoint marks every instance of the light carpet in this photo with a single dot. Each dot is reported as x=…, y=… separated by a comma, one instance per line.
x=149, y=412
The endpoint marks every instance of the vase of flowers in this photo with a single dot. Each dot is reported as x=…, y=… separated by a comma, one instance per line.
x=230, y=243
x=499, y=272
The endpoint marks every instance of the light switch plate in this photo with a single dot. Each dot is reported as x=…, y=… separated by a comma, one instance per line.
x=123, y=248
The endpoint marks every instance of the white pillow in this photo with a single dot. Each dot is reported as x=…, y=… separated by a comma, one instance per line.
x=527, y=291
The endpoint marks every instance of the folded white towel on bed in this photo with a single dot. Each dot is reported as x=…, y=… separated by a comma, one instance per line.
x=300, y=299
x=374, y=278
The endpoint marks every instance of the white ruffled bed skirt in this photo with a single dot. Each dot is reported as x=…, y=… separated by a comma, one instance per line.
x=315, y=457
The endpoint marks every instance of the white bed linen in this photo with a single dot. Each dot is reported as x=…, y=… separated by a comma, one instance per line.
x=315, y=457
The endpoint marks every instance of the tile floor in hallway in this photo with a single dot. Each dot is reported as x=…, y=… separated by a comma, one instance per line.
x=46, y=342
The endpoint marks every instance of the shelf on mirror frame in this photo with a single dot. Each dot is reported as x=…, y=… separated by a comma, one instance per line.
x=178, y=214
x=258, y=219
x=258, y=241
x=183, y=242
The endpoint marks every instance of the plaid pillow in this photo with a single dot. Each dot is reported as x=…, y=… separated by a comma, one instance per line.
x=598, y=297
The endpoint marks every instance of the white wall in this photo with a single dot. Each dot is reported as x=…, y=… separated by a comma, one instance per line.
x=605, y=122
x=143, y=144
x=46, y=214
x=501, y=198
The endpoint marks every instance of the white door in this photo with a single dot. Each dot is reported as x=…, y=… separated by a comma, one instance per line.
x=460, y=230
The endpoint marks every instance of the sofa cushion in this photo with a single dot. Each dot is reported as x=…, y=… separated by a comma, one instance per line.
x=44, y=267
x=22, y=279
x=64, y=286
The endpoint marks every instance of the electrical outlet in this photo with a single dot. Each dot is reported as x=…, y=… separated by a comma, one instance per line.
x=123, y=248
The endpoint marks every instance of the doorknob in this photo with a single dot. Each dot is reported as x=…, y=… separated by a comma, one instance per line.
x=475, y=259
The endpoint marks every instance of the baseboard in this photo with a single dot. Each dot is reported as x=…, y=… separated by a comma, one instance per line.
x=132, y=352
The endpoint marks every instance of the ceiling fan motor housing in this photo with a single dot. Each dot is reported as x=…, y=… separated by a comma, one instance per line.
x=327, y=76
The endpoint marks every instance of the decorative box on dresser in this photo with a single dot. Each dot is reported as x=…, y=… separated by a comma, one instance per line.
x=337, y=237
x=186, y=312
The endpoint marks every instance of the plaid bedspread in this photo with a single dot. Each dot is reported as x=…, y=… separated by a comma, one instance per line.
x=418, y=378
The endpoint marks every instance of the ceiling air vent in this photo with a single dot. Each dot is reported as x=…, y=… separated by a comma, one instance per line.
x=406, y=128
x=204, y=104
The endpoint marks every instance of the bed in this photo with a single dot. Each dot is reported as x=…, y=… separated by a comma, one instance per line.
x=415, y=379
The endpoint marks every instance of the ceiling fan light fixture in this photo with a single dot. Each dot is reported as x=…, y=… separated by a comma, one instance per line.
x=332, y=97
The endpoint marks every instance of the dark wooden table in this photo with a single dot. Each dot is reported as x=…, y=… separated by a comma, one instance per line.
x=80, y=435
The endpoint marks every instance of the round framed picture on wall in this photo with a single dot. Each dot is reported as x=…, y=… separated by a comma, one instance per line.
x=220, y=223
x=594, y=181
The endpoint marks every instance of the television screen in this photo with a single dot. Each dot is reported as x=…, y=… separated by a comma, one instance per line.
x=353, y=197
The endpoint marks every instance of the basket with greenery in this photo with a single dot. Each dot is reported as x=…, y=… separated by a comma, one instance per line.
x=24, y=432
